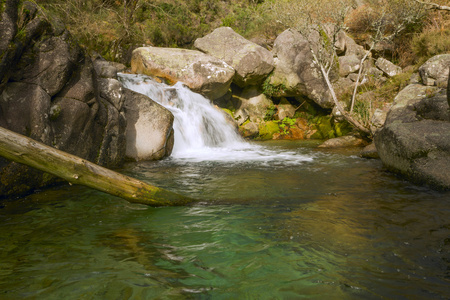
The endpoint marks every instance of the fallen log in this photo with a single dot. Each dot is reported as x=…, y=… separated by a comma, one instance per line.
x=76, y=170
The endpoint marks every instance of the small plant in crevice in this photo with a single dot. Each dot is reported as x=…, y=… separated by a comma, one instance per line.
x=271, y=90
x=271, y=110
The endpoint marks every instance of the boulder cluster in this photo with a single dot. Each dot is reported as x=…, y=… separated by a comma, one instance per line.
x=257, y=85
x=52, y=92
x=415, y=139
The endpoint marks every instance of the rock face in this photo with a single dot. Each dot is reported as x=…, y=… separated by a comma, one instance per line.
x=149, y=132
x=415, y=140
x=51, y=91
x=202, y=73
x=295, y=71
x=435, y=71
x=252, y=62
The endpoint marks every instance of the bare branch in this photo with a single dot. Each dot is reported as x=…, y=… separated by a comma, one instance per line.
x=434, y=5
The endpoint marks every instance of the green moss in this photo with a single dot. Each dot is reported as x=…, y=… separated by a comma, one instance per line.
x=342, y=128
x=271, y=90
x=2, y=6
x=324, y=127
x=268, y=129
x=228, y=112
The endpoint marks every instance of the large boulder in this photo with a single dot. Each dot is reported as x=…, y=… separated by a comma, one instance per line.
x=252, y=62
x=435, y=71
x=50, y=92
x=415, y=140
x=149, y=132
x=295, y=73
x=202, y=73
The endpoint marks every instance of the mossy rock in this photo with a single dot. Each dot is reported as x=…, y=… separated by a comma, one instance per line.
x=228, y=112
x=342, y=128
x=324, y=127
x=268, y=129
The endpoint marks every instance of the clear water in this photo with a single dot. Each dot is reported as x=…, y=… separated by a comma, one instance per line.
x=275, y=220
x=329, y=226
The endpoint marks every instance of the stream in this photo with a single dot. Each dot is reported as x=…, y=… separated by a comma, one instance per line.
x=275, y=220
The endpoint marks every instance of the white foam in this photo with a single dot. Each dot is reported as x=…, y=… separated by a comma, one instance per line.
x=202, y=132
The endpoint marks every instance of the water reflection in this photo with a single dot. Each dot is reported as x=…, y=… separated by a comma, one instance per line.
x=337, y=227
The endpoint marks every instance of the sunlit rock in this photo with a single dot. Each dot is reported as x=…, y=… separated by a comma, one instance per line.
x=295, y=72
x=149, y=134
x=202, y=73
x=252, y=62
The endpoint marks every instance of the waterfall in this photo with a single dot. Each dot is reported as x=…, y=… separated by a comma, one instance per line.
x=202, y=132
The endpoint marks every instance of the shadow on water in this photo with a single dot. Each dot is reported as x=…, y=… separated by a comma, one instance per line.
x=330, y=225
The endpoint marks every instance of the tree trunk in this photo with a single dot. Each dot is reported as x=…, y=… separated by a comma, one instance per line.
x=76, y=170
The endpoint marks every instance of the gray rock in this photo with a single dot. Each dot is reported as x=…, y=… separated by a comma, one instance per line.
x=104, y=69
x=370, y=151
x=202, y=73
x=340, y=44
x=415, y=140
x=348, y=64
x=285, y=109
x=377, y=121
x=435, y=71
x=57, y=55
x=111, y=90
x=249, y=130
x=149, y=133
x=387, y=67
x=351, y=47
x=295, y=71
x=251, y=104
x=52, y=97
x=343, y=141
x=252, y=62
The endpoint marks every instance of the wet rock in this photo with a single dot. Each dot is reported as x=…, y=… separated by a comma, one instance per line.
x=285, y=109
x=249, y=130
x=149, y=134
x=344, y=141
x=252, y=62
x=369, y=151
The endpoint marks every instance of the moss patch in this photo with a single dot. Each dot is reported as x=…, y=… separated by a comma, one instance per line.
x=268, y=129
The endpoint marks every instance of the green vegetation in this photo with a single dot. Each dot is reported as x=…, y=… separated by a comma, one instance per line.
x=271, y=90
x=268, y=129
x=286, y=124
x=114, y=27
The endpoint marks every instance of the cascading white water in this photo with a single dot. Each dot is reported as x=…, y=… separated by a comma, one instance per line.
x=202, y=132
